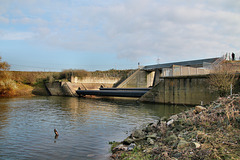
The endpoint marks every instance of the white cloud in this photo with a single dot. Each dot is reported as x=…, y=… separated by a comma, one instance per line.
x=132, y=29
x=15, y=35
x=4, y=20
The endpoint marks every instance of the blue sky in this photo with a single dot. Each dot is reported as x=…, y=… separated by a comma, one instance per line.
x=52, y=35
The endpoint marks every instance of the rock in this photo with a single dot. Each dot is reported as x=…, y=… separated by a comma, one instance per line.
x=178, y=127
x=165, y=154
x=138, y=134
x=131, y=147
x=171, y=139
x=139, y=147
x=170, y=122
x=195, y=145
x=154, y=125
x=150, y=141
x=182, y=144
x=178, y=122
x=174, y=117
x=217, y=106
x=153, y=136
x=156, y=150
x=199, y=109
x=120, y=147
x=148, y=129
x=128, y=141
x=177, y=155
x=164, y=119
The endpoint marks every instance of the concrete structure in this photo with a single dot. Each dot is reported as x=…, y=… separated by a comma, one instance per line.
x=174, y=83
x=139, y=79
x=55, y=89
x=151, y=75
x=62, y=89
x=94, y=82
x=188, y=90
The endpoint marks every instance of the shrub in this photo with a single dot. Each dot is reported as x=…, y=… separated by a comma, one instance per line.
x=222, y=78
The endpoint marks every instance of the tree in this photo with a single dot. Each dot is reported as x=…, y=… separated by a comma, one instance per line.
x=222, y=78
x=4, y=66
x=7, y=85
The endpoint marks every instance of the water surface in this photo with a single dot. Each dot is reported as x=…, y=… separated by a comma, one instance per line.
x=86, y=126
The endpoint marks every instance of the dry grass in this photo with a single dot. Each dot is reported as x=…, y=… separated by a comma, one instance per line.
x=215, y=129
x=222, y=78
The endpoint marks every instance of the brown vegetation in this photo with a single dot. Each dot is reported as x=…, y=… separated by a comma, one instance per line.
x=209, y=133
x=22, y=83
x=223, y=77
x=7, y=85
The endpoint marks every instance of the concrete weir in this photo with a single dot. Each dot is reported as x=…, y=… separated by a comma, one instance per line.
x=172, y=83
x=188, y=90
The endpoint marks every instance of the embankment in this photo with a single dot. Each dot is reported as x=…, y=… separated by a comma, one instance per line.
x=210, y=132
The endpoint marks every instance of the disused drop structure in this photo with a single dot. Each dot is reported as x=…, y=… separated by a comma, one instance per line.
x=174, y=83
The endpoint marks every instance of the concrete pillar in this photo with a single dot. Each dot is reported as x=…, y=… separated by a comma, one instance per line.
x=157, y=75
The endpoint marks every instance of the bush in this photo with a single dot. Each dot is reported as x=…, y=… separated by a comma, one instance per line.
x=222, y=77
x=7, y=87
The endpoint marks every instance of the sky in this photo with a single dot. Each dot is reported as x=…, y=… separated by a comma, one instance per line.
x=53, y=35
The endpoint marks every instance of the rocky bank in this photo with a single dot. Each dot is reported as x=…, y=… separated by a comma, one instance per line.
x=205, y=132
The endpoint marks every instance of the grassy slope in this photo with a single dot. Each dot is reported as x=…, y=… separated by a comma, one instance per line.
x=211, y=134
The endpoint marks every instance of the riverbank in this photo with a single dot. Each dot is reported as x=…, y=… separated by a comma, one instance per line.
x=206, y=132
x=25, y=90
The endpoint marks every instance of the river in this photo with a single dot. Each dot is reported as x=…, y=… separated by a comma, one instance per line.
x=85, y=126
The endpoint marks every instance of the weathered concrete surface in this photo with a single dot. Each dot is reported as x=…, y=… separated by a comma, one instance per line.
x=140, y=79
x=94, y=83
x=62, y=88
x=105, y=80
x=181, y=90
x=55, y=88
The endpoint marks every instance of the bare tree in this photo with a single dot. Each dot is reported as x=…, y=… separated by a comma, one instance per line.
x=7, y=85
x=222, y=78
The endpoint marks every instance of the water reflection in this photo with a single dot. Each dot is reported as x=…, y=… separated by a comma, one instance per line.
x=85, y=125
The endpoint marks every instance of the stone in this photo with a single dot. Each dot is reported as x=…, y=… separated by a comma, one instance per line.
x=171, y=139
x=199, y=109
x=177, y=155
x=165, y=154
x=153, y=136
x=154, y=125
x=150, y=141
x=138, y=134
x=183, y=144
x=195, y=145
x=148, y=129
x=120, y=147
x=164, y=119
x=170, y=122
x=179, y=127
x=174, y=117
x=131, y=147
x=128, y=141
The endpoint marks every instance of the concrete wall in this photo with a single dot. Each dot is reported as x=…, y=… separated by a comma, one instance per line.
x=140, y=79
x=62, y=88
x=55, y=88
x=105, y=80
x=181, y=90
x=94, y=82
x=177, y=70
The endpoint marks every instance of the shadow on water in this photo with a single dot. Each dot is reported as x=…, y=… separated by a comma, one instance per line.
x=85, y=125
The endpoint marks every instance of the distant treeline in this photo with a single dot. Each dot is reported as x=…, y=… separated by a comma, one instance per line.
x=32, y=78
x=14, y=83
